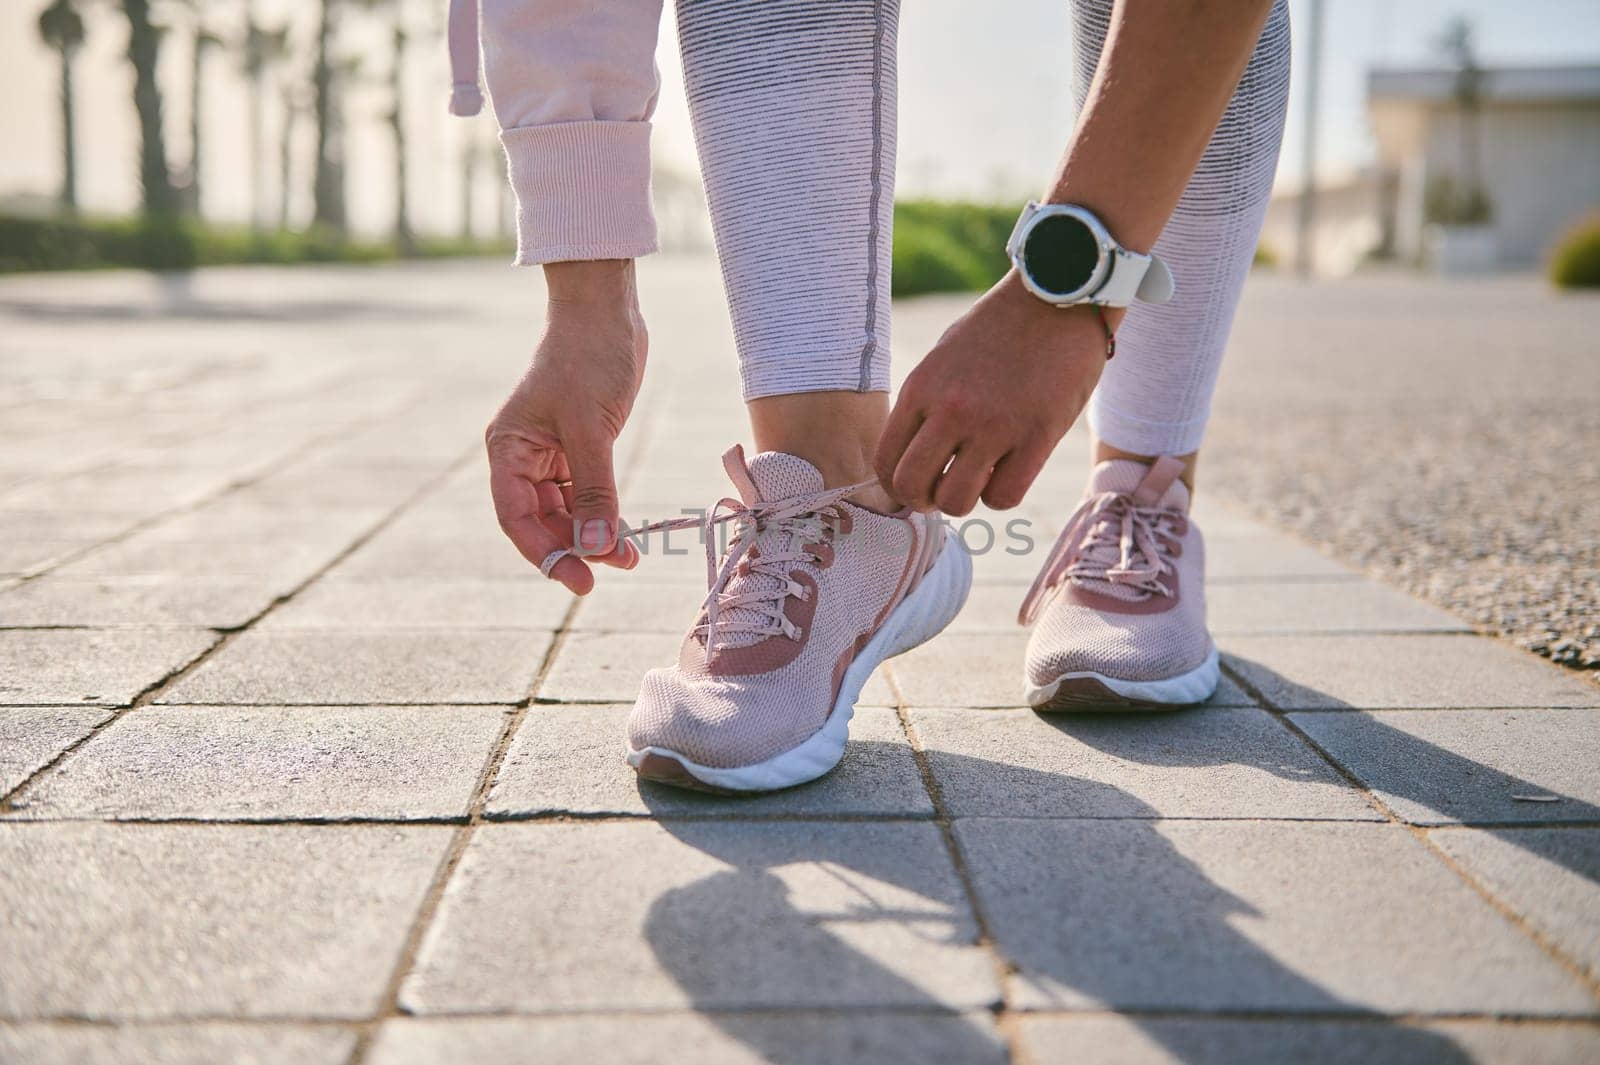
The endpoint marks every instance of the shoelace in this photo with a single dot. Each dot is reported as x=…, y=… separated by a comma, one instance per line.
x=799, y=516
x=1122, y=544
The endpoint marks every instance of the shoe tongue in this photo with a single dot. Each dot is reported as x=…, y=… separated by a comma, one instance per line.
x=777, y=475
x=766, y=478
x=1127, y=477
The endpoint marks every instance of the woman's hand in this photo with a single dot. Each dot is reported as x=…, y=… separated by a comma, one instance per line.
x=991, y=401
x=563, y=418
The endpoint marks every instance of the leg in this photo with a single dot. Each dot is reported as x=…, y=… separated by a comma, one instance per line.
x=793, y=106
x=1121, y=620
x=1155, y=396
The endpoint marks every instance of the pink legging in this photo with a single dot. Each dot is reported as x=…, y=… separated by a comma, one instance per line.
x=793, y=105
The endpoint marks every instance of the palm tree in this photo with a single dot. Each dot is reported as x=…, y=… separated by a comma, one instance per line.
x=327, y=187
x=204, y=41
x=1471, y=202
x=144, y=46
x=263, y=49
x=61, y=27
x=293, y=107
x=395, y=117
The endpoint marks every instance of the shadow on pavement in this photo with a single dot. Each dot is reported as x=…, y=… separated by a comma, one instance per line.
x=698, y=934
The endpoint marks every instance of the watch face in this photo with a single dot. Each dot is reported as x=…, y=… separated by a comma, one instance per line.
x=1061, y=254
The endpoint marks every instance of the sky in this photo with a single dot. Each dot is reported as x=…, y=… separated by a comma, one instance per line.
x=985, y=100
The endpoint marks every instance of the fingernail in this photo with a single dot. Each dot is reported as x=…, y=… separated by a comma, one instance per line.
x=594, y=534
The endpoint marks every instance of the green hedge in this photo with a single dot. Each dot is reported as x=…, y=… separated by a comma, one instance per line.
x=86, y=244
x=949, y=247
x=1576, y=260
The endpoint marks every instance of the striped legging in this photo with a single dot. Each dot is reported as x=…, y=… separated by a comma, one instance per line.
x=793, y=104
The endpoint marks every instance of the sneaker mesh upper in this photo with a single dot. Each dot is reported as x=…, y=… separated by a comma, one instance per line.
x=724, y=721
x=1072, y=635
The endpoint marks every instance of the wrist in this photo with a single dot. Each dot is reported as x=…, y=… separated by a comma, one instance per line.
x=1015, y=292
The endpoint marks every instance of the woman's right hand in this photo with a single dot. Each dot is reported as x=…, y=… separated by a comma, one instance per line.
x=562, y=421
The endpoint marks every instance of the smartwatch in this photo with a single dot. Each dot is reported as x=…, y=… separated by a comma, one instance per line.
x=1066, y=256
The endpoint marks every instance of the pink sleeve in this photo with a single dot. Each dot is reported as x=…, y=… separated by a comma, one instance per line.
x=574, y=84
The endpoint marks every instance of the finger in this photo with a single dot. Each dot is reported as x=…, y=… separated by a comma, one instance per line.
x=957, y=491
x=920, y=467
x=594, y=491
x=517, y=505
x=556, y=516
x=1013, y=475
x=904, y=421
x=572, y=572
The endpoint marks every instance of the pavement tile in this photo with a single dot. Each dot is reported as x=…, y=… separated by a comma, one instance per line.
x=569, y=759
x=631, y=606
x=28, y=556
x=149, y=601
x=232, y=518
x=990, y=608
x=85, y=526
x=75, y=666
x=1470, y=765
x=223, y=763
x=325, y=481
x=173, y=921
x=288, y=563
x=1268, y=555
x=609, y=667
x=652, y=915
x=1419, y=671
x=709, y=1039
x=1216, y=763
x=43, y=1043
x=422, y=604
x=32, y=735
x=115, y=488
x=400, y=552
x=1066, y=1040
x=1549, y=876
x=967, y=669
x=339, y=667
x=1251, y=916
x=1321, y=606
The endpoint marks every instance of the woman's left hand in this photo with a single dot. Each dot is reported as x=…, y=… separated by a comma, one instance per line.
x=991, y=401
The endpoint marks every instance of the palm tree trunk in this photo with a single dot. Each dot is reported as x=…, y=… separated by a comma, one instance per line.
x=286, y=159
x=196, y=95
x=402, y=211
x=143, y=48
x=69, y=139
x=469, y=179
x=327, y=187
x=258, y=206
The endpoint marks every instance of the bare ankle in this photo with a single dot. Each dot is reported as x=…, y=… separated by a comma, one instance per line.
x=837, y=432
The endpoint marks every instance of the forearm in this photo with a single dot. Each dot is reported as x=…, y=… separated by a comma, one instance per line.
x=1165, y=77
x=574, y=87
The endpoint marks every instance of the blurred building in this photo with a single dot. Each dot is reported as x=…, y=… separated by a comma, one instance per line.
x=1535, y=138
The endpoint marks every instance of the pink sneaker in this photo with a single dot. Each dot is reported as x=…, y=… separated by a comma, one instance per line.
x=1120, y=602
x=811, y=594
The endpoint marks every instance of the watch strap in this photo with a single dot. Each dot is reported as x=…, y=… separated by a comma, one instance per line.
x=1135, y=276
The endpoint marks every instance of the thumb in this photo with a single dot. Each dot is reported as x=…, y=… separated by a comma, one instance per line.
x=594, y=495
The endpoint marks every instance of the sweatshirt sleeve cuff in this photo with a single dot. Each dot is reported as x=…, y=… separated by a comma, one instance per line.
x=583, y=191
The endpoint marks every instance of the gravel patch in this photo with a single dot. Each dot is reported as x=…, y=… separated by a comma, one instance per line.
x=1445, y=436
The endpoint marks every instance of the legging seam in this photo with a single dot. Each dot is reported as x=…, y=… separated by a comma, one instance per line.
x=875, y=202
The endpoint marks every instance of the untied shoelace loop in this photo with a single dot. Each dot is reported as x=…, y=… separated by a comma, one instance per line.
x=1141, y=551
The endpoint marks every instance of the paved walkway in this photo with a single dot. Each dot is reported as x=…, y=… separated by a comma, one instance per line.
x=300, y=764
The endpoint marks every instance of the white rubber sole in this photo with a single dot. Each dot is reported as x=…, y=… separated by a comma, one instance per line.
x=920, y=617
x=1089, y=690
